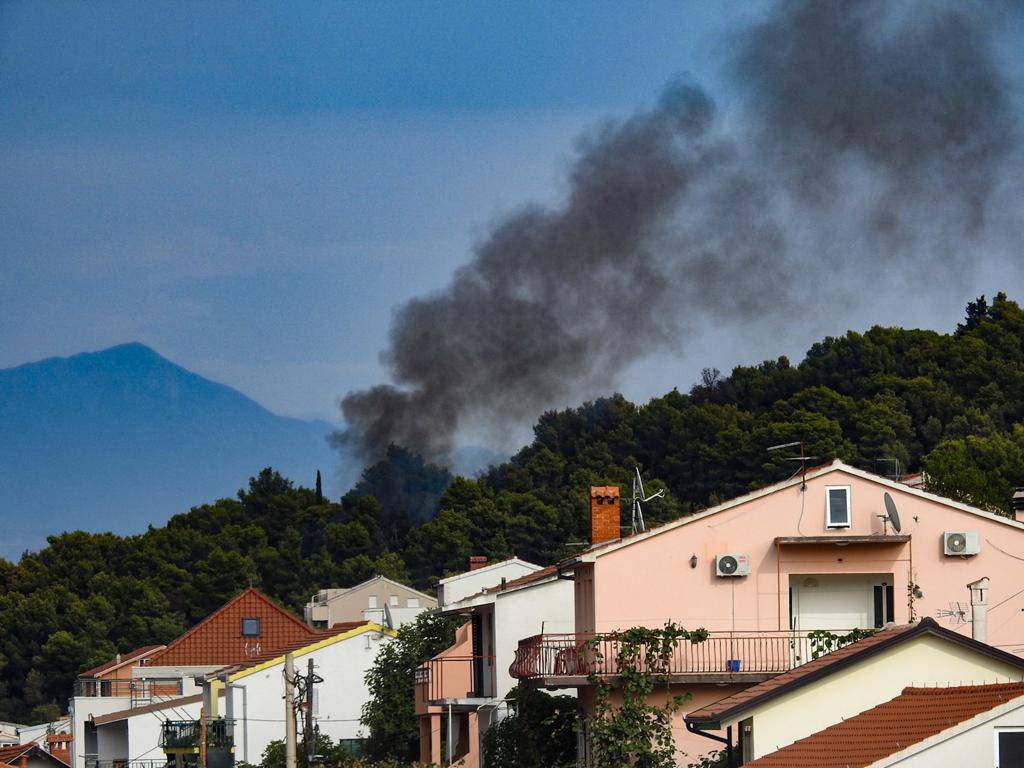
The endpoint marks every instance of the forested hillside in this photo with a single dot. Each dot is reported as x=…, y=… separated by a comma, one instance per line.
x=949, y=403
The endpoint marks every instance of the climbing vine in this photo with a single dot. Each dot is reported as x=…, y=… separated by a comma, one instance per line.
x=636, y=732
x=823, y=641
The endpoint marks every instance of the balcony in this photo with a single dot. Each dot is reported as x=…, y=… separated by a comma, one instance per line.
x=187, y=735
x=574, y=659
x=139, y=691
x=454, y=678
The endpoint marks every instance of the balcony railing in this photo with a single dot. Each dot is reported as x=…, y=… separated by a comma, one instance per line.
x=722, y=653
x=187, y=734
x=94, y=763
x=140, y=691
x=455, y=677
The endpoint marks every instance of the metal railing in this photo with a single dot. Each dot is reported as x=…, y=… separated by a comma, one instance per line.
x=584, y=654
x=455, y=677
x=140, y=691
x=94, y=763
x=187, y=734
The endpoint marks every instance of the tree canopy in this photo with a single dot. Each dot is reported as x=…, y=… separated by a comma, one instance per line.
x=951, y=404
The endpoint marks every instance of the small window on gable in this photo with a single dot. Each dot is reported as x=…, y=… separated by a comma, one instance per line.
x=371, y=601
x=412, y=602
x=837, y=512
x=250, y=627
x=393, y=600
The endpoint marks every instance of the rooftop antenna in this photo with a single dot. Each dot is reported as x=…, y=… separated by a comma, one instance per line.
x=956, y=613
x=640, y=497
x=896, y=467
x=802, y=458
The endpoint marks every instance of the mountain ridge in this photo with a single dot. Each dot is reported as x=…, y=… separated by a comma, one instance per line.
x=123, y=437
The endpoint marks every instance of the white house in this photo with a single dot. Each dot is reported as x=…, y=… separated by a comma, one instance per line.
x=481, y=576
x=967, y=726
x=253, y=693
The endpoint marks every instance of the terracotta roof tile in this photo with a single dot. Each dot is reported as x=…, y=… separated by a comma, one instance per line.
x=138, y=653
x=529, y=578
x=339, y=628
x=911, y=717
x=218, y=639
x=9, y=754
x=816, y=666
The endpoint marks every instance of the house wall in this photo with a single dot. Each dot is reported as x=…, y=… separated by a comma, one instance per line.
x=542, y=608
x=923, y=661
x=651, y=581
x=112, y=741
x=456, y=588
x=972, y=748
x=352, y=605
x=81, y=709
x=144, y=730
x=258, y=706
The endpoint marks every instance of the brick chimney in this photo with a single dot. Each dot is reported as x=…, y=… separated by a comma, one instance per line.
x=477, y=561
x=605, y=508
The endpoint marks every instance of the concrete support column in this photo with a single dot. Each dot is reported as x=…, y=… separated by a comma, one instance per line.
x=473, y=753
x=435, y=739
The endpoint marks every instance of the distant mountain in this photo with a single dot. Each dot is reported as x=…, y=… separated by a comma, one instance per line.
x=118, y=439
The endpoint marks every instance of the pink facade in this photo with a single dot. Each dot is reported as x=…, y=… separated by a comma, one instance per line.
x=859, y=575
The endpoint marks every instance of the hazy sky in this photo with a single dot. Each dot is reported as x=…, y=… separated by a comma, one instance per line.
x=250, y=189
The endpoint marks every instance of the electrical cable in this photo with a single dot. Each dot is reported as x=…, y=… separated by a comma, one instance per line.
x=1008, y=554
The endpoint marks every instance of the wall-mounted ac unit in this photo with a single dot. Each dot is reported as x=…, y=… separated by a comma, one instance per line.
x=732, y=565
x=957, y=543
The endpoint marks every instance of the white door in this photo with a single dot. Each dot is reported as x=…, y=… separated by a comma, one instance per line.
x=834, y=601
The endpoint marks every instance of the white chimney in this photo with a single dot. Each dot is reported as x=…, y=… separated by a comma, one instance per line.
x=979, y=609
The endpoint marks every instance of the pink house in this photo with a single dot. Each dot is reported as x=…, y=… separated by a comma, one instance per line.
x=818, y=552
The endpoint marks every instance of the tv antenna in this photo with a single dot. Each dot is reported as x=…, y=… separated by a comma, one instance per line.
x=897, y=468
x=891, y=516
x=802, y=458
x=956, y=613
x=640, y=497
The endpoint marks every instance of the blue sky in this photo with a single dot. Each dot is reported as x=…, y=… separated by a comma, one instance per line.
x=251, y=189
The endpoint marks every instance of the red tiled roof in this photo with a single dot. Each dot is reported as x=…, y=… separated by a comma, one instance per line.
x=911, y=717
x=218, y=639
x=11, y=754
x=125, y=658
x=833, y=662
x=339, y=628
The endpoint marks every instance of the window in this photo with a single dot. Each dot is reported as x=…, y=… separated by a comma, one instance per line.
x=1010, y=747
x=393, y=600
x=412, y=602
x=250, y=627
x=371, y=601
x=837, y=506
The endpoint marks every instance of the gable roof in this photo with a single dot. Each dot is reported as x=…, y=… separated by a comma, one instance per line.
x=475, y=572
x=597, y=550
x=910, y=718
x=374, y=580
x=339, y=633
x=147, y=709
x=712, y=715
x=218, y=640
x=487, y=595
x=12, y=754
x=126, y=658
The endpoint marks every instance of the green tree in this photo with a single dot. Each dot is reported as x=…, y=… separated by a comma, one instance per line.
x=539, y=732
x=390, y=713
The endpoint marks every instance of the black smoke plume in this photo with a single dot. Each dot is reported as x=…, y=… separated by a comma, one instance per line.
x=867, y=134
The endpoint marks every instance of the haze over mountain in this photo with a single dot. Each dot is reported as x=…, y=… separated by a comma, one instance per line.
x=121, y=438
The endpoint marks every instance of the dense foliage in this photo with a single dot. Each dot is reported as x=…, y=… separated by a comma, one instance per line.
x=952, y=404
x=390, y=713
x=540, y=730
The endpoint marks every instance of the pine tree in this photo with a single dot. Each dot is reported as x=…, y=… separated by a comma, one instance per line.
x=319, y=489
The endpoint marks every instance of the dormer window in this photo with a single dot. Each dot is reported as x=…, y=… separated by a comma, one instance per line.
x=837, y=506
x=250, y=627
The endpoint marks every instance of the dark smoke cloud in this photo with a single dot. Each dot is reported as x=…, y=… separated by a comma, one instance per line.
x=867, y=133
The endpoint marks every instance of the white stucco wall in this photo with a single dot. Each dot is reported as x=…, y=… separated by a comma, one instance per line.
x=258, y=706
x=455, y=588
x=81, y=709
x=144, y=730
x=924, y=661
x=545, y=607
x=112, y=741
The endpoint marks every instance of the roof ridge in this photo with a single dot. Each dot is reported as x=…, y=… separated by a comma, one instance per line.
x=248, y=590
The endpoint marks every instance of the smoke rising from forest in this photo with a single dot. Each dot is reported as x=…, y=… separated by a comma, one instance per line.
x=868, y=139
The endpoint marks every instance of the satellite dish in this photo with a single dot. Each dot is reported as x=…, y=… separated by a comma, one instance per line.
x=891, y=512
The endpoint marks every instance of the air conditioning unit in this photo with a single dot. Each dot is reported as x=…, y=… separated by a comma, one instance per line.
x=732, y=565
x=957, y=543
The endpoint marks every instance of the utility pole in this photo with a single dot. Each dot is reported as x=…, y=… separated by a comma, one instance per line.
x=308, y=723
x=202, y=738
x=289, y=711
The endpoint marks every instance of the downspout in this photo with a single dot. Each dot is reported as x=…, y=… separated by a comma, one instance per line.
x=727, y=740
